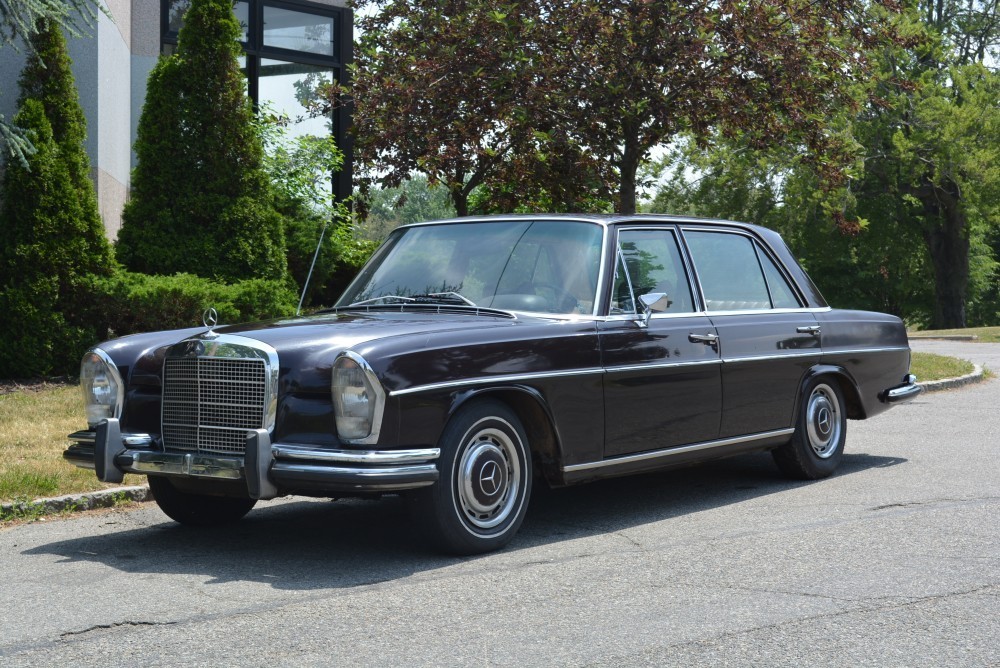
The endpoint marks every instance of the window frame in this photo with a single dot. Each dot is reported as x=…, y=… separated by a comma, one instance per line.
x=686, y=267
x=254, y=51
x=759, y=247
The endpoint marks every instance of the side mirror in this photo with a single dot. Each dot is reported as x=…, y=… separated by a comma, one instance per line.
x=652, y=301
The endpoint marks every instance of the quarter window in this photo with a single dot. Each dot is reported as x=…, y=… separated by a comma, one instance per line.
x=782, y=295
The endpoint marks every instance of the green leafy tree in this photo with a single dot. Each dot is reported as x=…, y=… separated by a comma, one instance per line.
x=48, y=77
x=413, y=201
x=201, y=199
x=935, y=143
x=439, y=88
x=472, y=93
x=916, y=228
x=19, y=20
x=634, y=75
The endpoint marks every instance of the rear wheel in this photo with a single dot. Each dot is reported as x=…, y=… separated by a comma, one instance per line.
x=482, y=496
x=201, y=510
x=817, y=445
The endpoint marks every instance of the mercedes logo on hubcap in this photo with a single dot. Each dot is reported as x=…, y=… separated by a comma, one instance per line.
x=490, y=478
x=823, y=420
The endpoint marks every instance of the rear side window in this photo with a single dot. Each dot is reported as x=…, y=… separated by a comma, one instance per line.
x=735, y=275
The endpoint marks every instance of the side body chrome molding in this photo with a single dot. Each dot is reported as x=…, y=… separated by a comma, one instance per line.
x=671, y=452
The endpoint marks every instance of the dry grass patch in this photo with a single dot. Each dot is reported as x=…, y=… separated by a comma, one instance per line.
x=34, y=422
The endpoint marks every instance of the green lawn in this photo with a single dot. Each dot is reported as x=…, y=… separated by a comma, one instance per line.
x=985, y=334
x=927, y=366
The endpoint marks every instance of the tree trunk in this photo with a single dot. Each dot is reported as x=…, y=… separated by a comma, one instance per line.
x=460, y=199
x=627, y=171
x=948, y=245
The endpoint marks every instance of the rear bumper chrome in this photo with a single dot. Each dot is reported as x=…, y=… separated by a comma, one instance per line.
x=267, y=468
x=903, y=392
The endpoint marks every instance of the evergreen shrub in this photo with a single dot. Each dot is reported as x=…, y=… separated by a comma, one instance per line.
x=201, y=201
x=49, y=250
x=128, y=303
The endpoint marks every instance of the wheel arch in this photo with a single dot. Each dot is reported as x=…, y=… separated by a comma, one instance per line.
x=854, y=407
x=536, y=418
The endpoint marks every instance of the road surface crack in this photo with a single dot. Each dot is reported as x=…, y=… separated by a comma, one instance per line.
x=115, y=625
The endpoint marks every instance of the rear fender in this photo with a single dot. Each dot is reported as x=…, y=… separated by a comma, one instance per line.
x=848, y=387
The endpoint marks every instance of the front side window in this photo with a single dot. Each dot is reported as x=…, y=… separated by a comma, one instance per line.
x=650, y=261
x=535, y=266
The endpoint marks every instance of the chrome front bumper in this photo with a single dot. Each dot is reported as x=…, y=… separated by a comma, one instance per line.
x=268, y=468
x=903, y=392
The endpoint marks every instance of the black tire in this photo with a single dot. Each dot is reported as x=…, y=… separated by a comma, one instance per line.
x=481, y=498
x=199, y=510
x=817, y=445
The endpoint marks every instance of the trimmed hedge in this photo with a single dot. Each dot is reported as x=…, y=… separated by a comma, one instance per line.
x=41, y=340
x=128, y=303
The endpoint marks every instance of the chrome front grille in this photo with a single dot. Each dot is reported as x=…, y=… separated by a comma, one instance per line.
x=210, y=403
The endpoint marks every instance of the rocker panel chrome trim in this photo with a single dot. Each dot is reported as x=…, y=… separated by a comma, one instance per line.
x=668, y=452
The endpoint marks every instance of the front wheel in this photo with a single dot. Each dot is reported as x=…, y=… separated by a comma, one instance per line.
x=817, y=445
x=200, y=510
x=482, y=496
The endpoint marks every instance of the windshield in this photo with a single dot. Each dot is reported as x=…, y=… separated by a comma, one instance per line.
x=539, y=266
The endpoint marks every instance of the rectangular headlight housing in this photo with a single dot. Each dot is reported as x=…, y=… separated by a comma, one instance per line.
x=358, y=399
x=103, y=390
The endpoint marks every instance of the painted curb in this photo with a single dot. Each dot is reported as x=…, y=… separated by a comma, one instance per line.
x=948, y=383
x=944, y=337
x=104, y=498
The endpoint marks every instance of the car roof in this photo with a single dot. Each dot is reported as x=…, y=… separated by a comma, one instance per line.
x=598, y=218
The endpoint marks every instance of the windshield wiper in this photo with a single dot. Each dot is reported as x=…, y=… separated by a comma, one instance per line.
x=375, y=300
x=430, y=298
x=450, y=297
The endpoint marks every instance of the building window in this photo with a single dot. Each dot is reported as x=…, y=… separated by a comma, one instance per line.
x=290, y=48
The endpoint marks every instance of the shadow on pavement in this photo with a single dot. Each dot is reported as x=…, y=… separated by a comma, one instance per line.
x=311, y=545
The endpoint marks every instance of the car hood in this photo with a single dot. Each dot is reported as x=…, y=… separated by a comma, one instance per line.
x=307, y=346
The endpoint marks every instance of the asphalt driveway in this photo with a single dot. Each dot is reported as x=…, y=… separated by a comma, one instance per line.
x=895, y=561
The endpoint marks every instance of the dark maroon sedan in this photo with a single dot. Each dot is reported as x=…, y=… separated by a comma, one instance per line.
x=475, y=357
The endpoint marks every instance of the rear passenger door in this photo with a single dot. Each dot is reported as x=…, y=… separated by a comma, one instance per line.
x=767, y=340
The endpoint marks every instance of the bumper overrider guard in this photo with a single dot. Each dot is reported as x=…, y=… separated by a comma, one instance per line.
x=904, y=392
x=266, y=467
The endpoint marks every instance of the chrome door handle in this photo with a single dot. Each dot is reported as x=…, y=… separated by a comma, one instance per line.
x=808, y=329
x=707, y=339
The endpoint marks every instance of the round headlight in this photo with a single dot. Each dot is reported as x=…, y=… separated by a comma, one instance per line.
x=102, y=387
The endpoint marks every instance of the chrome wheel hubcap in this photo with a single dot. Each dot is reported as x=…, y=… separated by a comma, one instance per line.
x=489, y=478
x=823, y=423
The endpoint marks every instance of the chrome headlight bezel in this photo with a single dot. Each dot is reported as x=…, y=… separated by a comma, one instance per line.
x=94, y=364
x=352, y=378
